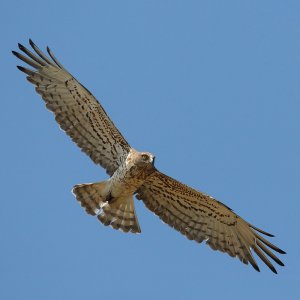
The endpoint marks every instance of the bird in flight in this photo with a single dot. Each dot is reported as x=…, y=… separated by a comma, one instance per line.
x=196, y=215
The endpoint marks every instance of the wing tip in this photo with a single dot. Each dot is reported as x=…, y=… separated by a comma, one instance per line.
x=21, y=47
x=32, y=44
x=50, y=53
x=15, y=53
x=268, y=234
x=256, y=268
x=21, y=68
x=280, y=251
x=261, y=231
x=273, y=269
x=280, y=263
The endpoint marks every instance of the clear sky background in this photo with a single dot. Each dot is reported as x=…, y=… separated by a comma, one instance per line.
x=210, y=87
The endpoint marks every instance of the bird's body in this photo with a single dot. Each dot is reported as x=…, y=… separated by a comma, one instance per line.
x=112, y=200
x=196, y=215
x=131, y=174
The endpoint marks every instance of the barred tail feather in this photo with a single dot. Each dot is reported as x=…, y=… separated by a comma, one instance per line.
x=90, y=196
x=119, y=213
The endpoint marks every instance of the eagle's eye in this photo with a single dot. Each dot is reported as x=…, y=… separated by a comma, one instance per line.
x=145, y=157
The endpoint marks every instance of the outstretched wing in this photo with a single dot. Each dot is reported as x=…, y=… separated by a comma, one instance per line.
x=76, y=110
x=201, y=218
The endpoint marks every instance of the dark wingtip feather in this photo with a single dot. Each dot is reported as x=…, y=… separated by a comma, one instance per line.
x=253, y=263
x=268, y=234
x=15, y=53
x=271, y=267
x=21, y=47
x=26, y=71
x=54, y=58
x=269, y=253
x=255, y=267
x=51, y=54
x=273, y=270
x=32, y=44
x=261, y=231
x=21, y=68
x=280, y=263
x=281, y=251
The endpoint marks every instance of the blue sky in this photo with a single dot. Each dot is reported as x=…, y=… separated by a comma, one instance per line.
x=210, y=87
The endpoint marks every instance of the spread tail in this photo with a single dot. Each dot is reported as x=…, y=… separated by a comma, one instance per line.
x=117, y=212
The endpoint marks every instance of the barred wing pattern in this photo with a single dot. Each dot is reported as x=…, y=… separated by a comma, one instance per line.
x=197, y=216
x=76, y=110
x=201, y=218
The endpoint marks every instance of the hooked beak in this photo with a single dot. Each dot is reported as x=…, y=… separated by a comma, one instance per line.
x=153, y=160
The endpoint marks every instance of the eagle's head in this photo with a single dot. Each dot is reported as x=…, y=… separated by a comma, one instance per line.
x=145, y=158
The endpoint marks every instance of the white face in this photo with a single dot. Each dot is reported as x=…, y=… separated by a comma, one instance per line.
x=146, y=158
x=141, y=159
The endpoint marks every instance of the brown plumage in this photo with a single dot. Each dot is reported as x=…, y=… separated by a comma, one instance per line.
x=196, y=215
